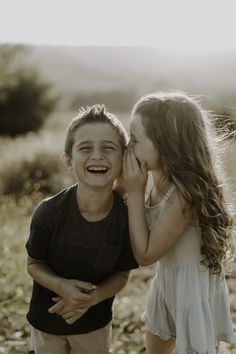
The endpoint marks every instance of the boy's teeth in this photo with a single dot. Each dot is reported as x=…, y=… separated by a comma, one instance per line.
x=97, y=169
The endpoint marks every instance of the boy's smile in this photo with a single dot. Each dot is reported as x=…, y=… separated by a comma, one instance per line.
x=97, y=169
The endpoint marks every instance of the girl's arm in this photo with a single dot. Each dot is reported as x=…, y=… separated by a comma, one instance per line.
x=103, y=291
x=148, y=246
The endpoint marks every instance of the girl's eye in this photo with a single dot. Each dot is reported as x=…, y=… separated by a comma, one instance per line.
x=133, y=139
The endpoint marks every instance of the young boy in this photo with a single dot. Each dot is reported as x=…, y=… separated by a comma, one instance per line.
x=79, y=253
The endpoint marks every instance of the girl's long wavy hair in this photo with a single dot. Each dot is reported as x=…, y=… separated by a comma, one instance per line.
x=181, y=131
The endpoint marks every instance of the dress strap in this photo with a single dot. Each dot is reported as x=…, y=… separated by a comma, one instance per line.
x=148, y=194
x=149, y=188
x=168, y=194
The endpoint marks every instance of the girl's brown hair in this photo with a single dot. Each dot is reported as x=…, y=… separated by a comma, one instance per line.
x=181, y=131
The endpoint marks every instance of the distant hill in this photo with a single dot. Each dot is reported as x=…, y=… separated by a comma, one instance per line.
x=137, y=70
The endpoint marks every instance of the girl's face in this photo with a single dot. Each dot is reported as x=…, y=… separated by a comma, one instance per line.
x=144, y=148
x=96, y=155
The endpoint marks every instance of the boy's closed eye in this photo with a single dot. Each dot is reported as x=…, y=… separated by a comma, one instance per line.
x=84, y=148
x=107, y=147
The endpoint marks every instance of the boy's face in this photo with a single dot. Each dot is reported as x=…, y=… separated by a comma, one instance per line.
x=96, y=155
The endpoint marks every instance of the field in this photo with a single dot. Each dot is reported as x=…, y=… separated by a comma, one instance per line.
x=15, y=214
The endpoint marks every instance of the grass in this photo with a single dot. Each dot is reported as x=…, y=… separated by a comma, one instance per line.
x=15, y=290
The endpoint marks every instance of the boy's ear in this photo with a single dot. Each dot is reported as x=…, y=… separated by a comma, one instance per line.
x=67, y=161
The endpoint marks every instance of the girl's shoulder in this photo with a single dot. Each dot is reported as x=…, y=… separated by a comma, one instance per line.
x=175, y=198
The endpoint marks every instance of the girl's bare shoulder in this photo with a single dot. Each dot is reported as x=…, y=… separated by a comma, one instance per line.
x=180, y=204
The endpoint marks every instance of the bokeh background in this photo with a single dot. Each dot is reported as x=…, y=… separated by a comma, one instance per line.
x=57, y=56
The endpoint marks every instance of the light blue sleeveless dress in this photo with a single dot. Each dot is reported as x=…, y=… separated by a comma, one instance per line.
x=185, y=301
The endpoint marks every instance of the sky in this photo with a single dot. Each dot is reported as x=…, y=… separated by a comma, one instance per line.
x=189, y=25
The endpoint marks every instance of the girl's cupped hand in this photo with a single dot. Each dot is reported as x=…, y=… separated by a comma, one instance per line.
x=134, y=172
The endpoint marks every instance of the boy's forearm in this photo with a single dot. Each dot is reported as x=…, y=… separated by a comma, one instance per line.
x=110, y=287
x=42, y=274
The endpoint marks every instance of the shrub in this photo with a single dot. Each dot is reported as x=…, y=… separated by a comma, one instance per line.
x=33, y=164
x=26, y=100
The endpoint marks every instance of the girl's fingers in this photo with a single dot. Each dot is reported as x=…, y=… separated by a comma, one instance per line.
x=124, y=162
x=127, y=163
x=132, y=162
x=144, y=169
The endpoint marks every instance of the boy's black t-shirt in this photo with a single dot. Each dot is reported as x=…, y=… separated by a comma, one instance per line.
x=77, y=249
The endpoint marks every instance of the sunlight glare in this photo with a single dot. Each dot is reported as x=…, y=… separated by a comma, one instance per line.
x=178, y=25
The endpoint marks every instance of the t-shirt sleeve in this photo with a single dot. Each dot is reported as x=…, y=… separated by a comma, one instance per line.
x=126, y=260
x=40, y=232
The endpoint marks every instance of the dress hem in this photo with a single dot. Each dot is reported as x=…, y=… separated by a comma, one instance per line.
x=158, y=332
x=167, y=336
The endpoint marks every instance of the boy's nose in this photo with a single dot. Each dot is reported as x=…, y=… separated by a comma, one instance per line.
x=96, y=154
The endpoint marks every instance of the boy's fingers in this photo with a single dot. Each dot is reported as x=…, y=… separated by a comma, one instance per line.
x=68, y=315
x=83, y=295
x=73, y=319
x=57, y=307
x=72, y=313
x=56, y=298
x=85, y=285
x=75, y=316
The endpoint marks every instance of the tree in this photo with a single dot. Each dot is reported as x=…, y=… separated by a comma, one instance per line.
x=26, y=100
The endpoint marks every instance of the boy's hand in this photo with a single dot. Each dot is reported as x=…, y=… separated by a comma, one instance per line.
x=134, y=174
x=65, y=309
x=78, y=299
x=72, y=317
x=76, y=292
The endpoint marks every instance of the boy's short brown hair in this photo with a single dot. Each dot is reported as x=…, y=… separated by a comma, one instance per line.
x=97, y=113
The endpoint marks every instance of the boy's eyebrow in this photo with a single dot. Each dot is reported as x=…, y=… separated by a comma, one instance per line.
x=103, y=141
x=109, y=142
x=85, y=142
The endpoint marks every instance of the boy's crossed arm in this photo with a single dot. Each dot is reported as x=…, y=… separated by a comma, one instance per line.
x=110, y=287
x=75, y=297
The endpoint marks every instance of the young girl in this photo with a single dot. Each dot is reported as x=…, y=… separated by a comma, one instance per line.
x=184, y=224
x=79, y=254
